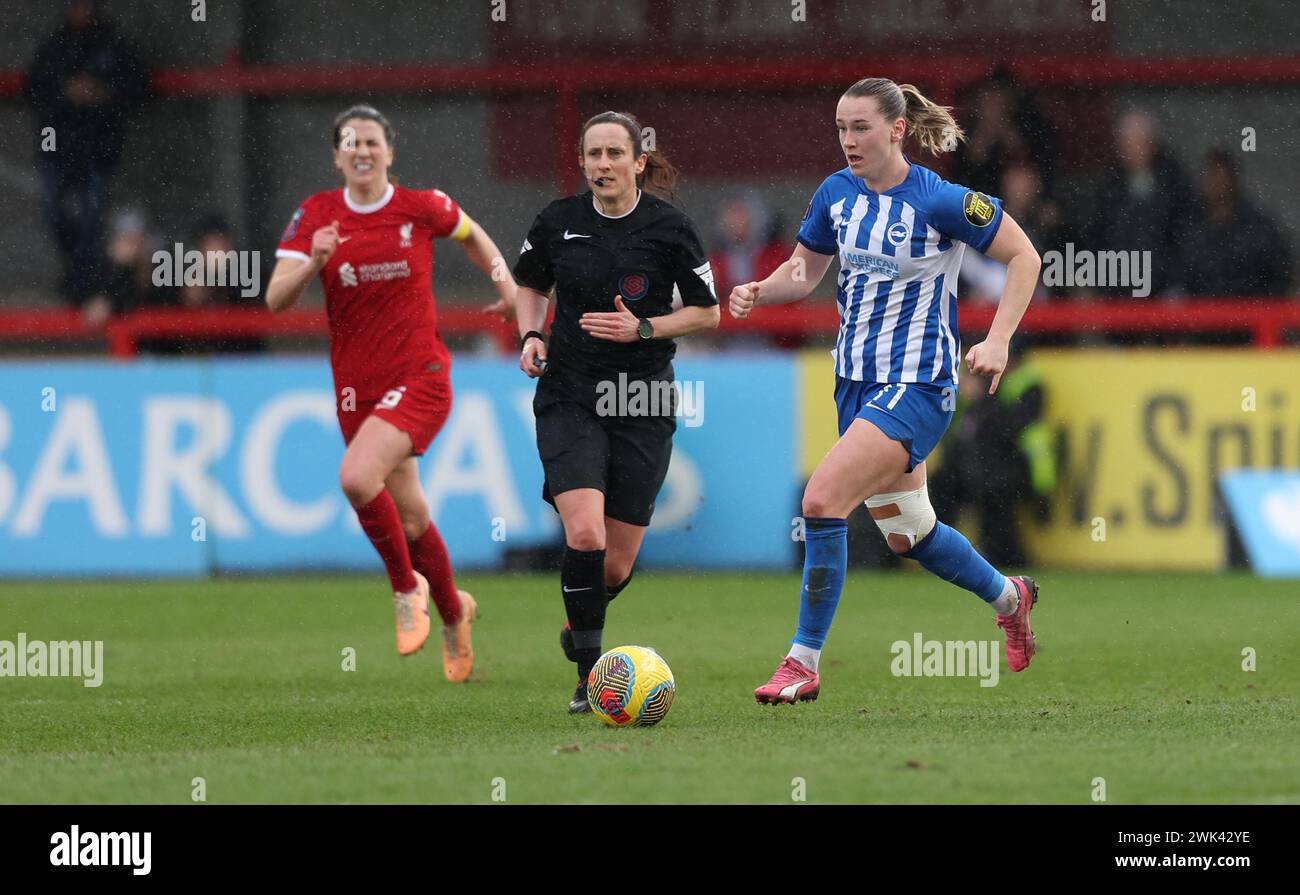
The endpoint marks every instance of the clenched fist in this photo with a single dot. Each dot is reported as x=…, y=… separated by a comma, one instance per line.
x=743, y=299
x=988, y=358
x=323, y=243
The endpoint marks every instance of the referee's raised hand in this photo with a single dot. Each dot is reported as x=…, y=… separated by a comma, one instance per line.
x=743, y=299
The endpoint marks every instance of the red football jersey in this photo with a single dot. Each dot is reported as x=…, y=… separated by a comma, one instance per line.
x=379, y=283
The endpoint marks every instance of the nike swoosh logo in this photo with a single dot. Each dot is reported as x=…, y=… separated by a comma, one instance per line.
x=344, y=238
x=568, y=235
x=791, y=690
x=574, y=590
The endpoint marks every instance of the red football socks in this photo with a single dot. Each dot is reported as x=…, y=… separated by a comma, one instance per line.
x=383, y=525
x=429, y=556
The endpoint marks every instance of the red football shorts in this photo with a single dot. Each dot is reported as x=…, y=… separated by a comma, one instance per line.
x=417, y=405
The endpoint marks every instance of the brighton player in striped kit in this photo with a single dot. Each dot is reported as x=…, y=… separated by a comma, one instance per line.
x=899, y=231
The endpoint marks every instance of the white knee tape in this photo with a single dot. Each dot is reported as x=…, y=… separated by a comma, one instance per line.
x=904, y=516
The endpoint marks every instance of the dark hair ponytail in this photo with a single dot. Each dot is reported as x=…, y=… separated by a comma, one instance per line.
x=660, y=175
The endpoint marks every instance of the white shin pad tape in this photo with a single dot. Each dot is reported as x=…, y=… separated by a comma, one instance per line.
x=904, y=517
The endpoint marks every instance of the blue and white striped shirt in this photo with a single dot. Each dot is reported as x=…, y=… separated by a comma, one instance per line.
x=899, y=252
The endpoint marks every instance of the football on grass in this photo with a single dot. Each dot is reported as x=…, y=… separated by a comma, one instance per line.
x=631, y=685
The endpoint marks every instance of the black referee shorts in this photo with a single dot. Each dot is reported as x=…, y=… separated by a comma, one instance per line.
x=590, y=435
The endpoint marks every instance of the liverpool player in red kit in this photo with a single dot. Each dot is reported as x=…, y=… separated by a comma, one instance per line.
x=371, y=243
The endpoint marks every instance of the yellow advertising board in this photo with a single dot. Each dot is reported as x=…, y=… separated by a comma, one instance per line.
x=1140, y=436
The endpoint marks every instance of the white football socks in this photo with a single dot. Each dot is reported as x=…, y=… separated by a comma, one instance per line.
x=805, y=656
x=1008, y=601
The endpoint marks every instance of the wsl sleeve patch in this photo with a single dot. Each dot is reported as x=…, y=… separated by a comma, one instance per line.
x=292, y=230
x=978, y=208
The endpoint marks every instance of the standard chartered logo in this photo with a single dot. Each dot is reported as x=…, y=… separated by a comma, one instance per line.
x=373, y=273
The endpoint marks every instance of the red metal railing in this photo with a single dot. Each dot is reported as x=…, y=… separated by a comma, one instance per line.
x=1265, y=320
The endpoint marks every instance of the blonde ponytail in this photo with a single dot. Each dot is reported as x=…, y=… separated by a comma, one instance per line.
x=931, y=124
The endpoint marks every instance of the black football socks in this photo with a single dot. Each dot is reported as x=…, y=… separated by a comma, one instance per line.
x=615, y=589
x=582, y=578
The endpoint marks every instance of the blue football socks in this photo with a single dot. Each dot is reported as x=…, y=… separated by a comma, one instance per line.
x=946, y=552
x=826, y=559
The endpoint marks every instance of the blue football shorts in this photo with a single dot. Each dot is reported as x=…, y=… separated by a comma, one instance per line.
x=915, y=414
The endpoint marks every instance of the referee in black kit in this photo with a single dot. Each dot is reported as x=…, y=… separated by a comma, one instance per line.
x=630, y=275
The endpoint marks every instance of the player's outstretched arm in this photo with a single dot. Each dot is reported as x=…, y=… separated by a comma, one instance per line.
x=791, y=281
x=483, y=254
x=1012, y=247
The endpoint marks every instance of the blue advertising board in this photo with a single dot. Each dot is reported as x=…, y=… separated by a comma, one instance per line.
x=1265, y=508
x=161, y=467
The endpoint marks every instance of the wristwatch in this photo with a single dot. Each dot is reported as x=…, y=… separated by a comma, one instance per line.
x=645, y=329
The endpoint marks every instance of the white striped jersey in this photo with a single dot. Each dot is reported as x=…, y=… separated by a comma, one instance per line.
x=899, y=253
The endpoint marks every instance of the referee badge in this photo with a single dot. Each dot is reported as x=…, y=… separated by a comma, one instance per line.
x=979, y=209
x=633, y=286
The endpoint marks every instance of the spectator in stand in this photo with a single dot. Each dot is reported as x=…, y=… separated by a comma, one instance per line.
x=213, y=238
x=1234, y=249
x=1021, y=189
x=1145, y=204
x=1002, y=460
x=128, y=269
x=1006, y=126
x=747, y=249
x=83, y=85
x=1023, y=194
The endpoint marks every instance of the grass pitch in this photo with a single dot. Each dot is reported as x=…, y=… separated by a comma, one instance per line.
x=240, y=681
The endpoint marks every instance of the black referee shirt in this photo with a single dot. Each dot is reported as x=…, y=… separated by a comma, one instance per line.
x=590, y=258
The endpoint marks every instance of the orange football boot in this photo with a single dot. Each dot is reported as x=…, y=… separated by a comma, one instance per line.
x=457, y=651
x=412, y=617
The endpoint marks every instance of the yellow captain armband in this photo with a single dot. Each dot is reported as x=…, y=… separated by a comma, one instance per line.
x=462, y=228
